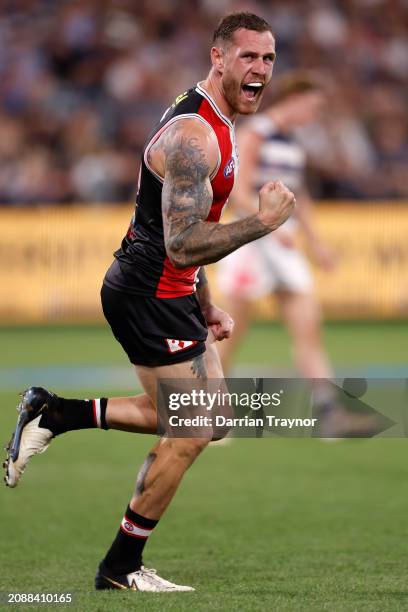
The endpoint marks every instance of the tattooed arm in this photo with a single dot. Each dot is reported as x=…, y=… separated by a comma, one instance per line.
x=186, y=155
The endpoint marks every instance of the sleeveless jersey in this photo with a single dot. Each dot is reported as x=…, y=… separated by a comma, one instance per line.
x=141, y=265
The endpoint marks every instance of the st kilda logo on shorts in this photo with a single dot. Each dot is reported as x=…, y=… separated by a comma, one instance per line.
x=229, y=168
x=179, y=345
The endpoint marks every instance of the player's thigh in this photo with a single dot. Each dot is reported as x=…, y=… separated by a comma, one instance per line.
x=212, y=358
x=290, y=269
x=150, y=377
x=179, y=392
x=200, y=368
x=244, y=274
x=202, y=373
x=300, y=312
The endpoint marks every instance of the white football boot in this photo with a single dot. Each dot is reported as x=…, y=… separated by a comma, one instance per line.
x=144, y=580
x=29, y=438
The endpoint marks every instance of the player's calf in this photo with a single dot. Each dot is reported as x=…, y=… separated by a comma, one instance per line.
x=156, y=484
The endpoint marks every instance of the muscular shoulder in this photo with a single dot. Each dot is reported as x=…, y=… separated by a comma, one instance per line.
x=187, y=139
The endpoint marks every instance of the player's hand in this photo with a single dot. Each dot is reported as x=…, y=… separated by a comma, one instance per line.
x=219, y=322
x=323, y=256
x=276, y=204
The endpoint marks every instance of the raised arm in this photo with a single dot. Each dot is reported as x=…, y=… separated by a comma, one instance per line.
x=189, y=156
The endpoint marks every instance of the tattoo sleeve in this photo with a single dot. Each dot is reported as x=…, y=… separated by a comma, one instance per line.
x=186, y=201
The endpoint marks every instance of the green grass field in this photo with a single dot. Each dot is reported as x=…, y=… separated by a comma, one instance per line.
x=268, y=524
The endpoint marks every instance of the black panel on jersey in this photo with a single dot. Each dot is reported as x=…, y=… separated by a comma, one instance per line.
x=138, y=264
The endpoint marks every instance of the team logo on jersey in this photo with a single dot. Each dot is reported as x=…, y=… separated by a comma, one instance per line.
x=179, y=345
x=229, y=168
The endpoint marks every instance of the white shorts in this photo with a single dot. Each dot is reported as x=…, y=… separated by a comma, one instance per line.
x=263, y=267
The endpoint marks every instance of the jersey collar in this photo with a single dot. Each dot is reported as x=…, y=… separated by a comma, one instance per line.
x=206, y=95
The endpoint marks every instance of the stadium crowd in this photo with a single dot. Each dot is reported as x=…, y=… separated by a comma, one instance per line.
x=83, y=81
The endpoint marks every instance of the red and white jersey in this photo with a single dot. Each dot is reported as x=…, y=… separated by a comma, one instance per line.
x=141, y=265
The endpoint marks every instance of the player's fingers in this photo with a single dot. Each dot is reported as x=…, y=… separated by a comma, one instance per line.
x=223, y=329
x=277, y=186
x=228, y=324
x=224, y=335
x=270, y=186
x=217, y=332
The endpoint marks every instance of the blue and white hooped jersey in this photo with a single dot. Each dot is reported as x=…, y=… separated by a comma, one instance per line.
x=281, y=158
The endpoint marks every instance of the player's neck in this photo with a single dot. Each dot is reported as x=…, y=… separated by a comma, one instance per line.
x=213, y=87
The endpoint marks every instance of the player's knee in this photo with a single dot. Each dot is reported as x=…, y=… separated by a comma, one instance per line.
x=310, y=329
x=223, y=414
x=311, y=333
x=189, y=448
x=220, y=432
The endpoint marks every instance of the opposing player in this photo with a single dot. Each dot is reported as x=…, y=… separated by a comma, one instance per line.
x=149, y=296
x=274, y=264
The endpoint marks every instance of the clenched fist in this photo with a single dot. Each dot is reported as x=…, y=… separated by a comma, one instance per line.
x=276, y=204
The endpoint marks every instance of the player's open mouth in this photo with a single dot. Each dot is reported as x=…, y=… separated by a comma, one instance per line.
x=252, y=90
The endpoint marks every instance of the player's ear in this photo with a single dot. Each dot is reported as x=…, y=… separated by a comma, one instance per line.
x=217, y=58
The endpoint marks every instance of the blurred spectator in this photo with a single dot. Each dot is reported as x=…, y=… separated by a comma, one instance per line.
x=82, y=81
x=388, y=126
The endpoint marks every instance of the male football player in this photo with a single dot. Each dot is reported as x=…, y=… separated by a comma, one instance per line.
x=274, y=264
x=149, y=297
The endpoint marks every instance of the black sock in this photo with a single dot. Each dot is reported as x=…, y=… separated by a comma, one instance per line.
x=125, y=554
x=69, y=414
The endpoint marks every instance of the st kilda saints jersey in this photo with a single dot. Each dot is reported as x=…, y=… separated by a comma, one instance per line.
x=141, y=265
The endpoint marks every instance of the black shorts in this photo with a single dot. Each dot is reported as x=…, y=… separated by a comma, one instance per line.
x=155, y=331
